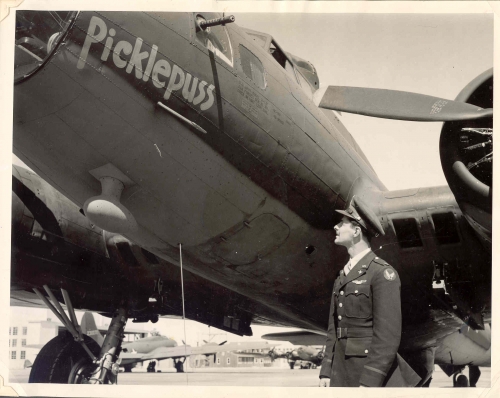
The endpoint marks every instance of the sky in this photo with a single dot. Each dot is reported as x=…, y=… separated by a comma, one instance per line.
x=429, y=54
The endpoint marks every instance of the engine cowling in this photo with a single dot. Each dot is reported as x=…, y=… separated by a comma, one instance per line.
x=466, y=151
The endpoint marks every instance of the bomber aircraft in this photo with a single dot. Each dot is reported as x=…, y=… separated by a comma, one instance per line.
x=306, y=350
x=214, y=149
x=159, y=347
x=305, y=355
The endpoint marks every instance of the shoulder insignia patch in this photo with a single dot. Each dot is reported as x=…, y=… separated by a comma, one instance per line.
x=389, y=274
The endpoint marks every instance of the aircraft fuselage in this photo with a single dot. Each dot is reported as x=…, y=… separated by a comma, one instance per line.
x=251, y=194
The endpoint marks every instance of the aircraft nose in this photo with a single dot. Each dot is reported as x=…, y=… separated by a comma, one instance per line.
x=37, y=35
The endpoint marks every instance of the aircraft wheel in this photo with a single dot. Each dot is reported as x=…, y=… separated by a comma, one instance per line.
x=461, y=381
x=292, y=365
x=82, y=371
x=127, y=369
x=61, y=357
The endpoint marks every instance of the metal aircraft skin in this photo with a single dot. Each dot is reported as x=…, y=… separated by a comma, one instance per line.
x=166, y=132
x=52, y=239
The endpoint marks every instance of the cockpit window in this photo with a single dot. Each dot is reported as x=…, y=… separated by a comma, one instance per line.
x=257, y=38
x=282, y=59
x=252, y=67
x=216, y=40
x=37, y=35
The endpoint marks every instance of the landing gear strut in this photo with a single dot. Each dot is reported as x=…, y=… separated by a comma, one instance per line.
x=151, y=367
x=474, y=374
x=74, y=358
x=111, y=348
x=179, y=364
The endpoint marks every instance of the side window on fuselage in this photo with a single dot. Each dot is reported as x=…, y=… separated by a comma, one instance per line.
x=215, y=39
x=252, y=67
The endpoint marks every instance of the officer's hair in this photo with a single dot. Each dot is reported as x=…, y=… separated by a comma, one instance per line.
x=366, y=233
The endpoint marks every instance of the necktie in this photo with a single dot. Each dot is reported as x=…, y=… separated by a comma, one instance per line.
x=348, y=267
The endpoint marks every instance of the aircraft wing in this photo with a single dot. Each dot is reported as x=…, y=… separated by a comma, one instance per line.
x=131, y=356
x=214, y=349
x=299, y=337
x=168, y=352
x=185, y=351
x=127, y=358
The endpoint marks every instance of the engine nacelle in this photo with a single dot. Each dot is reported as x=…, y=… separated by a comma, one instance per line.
x=466, y=150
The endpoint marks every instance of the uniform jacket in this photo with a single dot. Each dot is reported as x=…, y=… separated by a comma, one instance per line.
x=364, y=327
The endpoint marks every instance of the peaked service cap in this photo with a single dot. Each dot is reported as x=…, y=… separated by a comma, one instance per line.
x=360, y=212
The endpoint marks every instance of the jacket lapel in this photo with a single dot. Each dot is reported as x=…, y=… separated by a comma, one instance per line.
x=338, y=283
x=358, y=270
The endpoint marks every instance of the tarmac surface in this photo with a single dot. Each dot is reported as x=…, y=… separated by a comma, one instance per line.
x=262, y=377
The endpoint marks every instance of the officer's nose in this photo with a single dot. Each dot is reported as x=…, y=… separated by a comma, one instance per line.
x=336, y=228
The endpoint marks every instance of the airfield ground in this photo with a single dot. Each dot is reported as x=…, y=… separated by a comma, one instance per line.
x=262, y=377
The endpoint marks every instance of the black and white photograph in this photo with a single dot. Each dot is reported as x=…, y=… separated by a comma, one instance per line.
x=247, y=195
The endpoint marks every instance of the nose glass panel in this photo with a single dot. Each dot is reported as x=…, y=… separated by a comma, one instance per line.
x=37, y=35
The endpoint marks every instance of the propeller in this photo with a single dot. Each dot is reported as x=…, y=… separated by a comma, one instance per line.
x=321, y=354
x=272, y=354
x=399, y=105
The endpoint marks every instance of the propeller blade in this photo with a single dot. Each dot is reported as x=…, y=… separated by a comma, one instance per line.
x=272, y=354
x=399, y=105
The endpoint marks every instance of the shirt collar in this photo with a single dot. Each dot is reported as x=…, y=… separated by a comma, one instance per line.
x=359, y=256
x=350, y=265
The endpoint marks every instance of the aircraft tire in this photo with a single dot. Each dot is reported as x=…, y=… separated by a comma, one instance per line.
x=462, y=381
x=56, y=360
x=81, y=371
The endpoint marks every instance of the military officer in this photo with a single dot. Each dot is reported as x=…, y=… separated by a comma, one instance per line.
x=365, y=315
